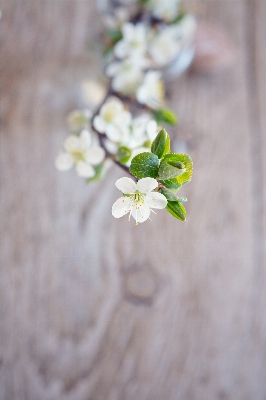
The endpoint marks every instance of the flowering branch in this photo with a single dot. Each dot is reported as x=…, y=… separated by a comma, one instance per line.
x=143, y=39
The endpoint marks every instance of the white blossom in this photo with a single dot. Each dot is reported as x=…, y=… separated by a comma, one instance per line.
x=126, y=75
x=151, y=91
x=187, y=26
x=165, y=45
x=139, y=199
x=165, y=9
x=143, y=129
x=81, y=152
x=79, y=119
x=113, y=120
x=134, y=41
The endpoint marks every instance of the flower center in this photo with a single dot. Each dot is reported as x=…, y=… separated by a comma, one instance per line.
x=78, y=155
x=137, y=199
x=108, y=116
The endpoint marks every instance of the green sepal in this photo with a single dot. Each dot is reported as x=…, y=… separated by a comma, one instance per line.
x=181, y=160
x=123, y=154
x=145, y=165
x=178, y=18
x=166, y=116
x=114, y=34
x=161, y=144
x=108, y=50
x=167, y=171
x=177, y=210
x=100, y=171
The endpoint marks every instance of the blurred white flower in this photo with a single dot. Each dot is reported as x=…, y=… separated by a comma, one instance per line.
x=119, y=16
x=134, y=41
x=79, y=119
x=143, y=129
x=93, y=92
x=113, y=120
x=165, y=45
x=126, y=75
x=139, y=199
x=187, y=26
x=80, y=152
x=151, y=91
x=164, y=9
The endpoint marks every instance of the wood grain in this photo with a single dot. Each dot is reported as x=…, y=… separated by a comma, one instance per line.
x=95, y=308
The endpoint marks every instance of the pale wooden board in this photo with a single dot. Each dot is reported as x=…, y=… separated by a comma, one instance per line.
x=95, y=308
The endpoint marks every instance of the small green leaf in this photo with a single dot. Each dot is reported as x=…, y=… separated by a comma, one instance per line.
x=170, y=196
x=145, y=165
x=181, y=160
x=123, y=154
x=171, y=184
x=164, y=115
x=100, y=171
x=177, y=210
x=178, y=18
x=167, y=171
x=114, y=34
x=108, y=50
x=161, y=144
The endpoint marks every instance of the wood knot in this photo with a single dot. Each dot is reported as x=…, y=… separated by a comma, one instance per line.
x=140, y=285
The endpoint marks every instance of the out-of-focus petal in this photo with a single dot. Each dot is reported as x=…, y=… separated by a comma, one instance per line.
x=95, y=155
x=64, y=161
x=85, y=170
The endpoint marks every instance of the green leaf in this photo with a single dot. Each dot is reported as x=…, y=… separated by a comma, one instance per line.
x=167, y=171
x=145, y=165
x=123, y=154
x=114, y=34
x=100, y=171
x=164, y=115
x=170, y=196
x=181, y=160
x=178, y=18
x=171, y=184
x=161, y=144
x=108, y=50
x=177, y=210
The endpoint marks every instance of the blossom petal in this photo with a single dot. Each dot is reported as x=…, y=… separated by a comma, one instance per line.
x=72, y=143
x=95, y=155
x=121, y=207
x=85, y=170
x=126, y=185
x=99, y=124
x=85, y=139
x=156, y=200
x=113, y=132
x=146, y=185
x=141, y=214
x=64, y=161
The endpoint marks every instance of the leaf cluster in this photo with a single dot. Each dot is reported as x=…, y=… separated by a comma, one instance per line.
x=171, y=170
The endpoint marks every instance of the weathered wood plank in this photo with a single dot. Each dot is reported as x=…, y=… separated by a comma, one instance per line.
x=96, y=308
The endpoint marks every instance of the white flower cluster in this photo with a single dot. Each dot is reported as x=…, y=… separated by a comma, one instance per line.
x=146, y=48
x=121, y=129
x=82, y=151
x=140, y=50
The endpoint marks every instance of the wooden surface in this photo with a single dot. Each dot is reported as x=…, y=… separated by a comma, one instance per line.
x=94, y=308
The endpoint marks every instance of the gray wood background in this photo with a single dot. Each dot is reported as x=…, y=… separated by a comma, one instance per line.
x=94, y=308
